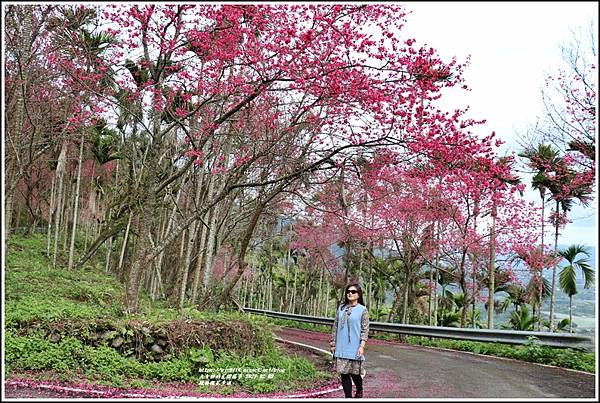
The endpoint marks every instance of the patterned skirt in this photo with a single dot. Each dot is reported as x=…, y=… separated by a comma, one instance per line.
x=348, y=366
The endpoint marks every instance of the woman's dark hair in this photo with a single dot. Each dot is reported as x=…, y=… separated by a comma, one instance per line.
x=360, y=294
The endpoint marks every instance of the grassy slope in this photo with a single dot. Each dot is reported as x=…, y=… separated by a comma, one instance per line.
x=50, y=314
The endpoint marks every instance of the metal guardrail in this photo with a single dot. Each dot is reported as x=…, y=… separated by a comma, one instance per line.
x=560, y=340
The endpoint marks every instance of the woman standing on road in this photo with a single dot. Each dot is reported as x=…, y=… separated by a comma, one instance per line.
x=348, y=338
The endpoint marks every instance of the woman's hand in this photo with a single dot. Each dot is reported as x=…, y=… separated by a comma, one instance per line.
x=332, y=348
x=361, y=351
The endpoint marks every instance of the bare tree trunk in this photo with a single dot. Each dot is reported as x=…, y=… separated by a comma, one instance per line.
x=251, y=300
x=76, y=206
x=370, y=288
x=212, y=234
x=437, y=274
x=553, y=290
x=570, y=314
x=319, y=299
x=188, y=257
x=287, y=271
x=259, y=293
x=242, y=293
x=156, y=275
x=110, y=240
x=186, y=265
x=124, y=246
x=430, y=304
x=201, y=252
x=51, y=213
x=395, y=304
x=270, y=279
x=8, y=210
x=244, y=245
x=21, y=93
x=66, y=211
x=463, y=286
x=405, y=318
x=281, y=302
x=152, y=287
x=60, y=173
x=474, y=296
x=304, y=300
x=136, y=271
x=541, y=280
x=245, y=292
x=327, y=299
x=406, y=304
x=294, y=291
x=182, y=246
x=108, y=254
x=167, y=228
x=435, y=301
x=491, y=276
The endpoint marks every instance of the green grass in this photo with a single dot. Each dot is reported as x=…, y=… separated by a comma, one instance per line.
x=42, y=302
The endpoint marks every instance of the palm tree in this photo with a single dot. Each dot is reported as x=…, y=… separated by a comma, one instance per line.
x=562, y=325
x=565, y=189
x=379, y=289
x=448, y=318
x=446, y=278
x=568, y=274
x=540, y=160
x=505, y=178
x=516, y=297
x=537, y=293
x=501, y=281
x=520, y=320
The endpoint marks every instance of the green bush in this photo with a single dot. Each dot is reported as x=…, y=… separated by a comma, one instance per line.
x=531, y=352
x=102, y=363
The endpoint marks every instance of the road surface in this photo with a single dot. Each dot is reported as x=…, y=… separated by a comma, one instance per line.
x=397, y=370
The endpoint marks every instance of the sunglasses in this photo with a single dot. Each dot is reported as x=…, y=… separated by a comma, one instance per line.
x=352, y=292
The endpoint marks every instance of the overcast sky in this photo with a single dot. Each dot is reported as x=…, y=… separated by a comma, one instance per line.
x=513, y=47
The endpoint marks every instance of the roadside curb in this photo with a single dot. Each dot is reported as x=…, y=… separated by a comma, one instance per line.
x=309, y=394
x=100, y=393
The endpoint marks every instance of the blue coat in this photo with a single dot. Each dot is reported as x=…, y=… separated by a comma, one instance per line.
x=348, y=338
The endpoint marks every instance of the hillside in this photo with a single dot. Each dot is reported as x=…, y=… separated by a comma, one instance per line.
x=70, y=325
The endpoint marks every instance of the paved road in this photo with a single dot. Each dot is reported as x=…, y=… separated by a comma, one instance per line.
x=396, y=370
